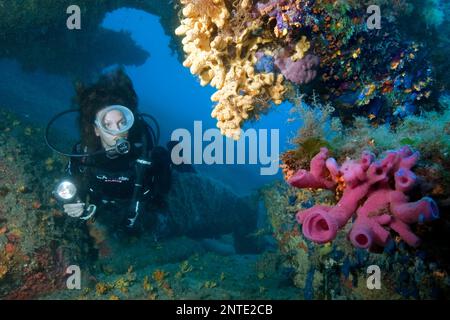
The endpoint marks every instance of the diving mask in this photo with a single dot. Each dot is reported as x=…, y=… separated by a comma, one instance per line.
x=115, y=120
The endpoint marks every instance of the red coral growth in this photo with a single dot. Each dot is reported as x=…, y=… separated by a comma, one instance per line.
x=10, y=248
x=46, y=277
x=34, y=285
x=12, y=237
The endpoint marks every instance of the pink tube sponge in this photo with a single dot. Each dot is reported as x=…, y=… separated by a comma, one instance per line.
x=404, y=180
x=317, y=176
x=411, y=212
x=321, y=224
x=366, y=160
x=369, y=231
x=404, y=231
x=353, y=173
x=408, y=158
x=367, y=194
x=367, y=228
x=318, y=224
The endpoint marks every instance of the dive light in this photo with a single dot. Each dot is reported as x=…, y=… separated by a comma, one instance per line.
x=65, y=191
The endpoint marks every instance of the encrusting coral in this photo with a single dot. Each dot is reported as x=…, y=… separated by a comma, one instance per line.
x=298, y=71
x=225, y=59
x=255, y=51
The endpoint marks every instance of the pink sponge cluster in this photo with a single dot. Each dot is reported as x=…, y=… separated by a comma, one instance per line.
x=374, y=190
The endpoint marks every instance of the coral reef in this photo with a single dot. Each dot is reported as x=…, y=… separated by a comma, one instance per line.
x=225, y=57
x=427, y=133
x=301, y=40
x=299, y=72
x=37, y=243
x=403, y=64
x=432, y=27
x=366, y=181
x=338, y=270
x=333, y=270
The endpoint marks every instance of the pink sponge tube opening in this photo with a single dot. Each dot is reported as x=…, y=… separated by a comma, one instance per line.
x=377, y=172
x=404, y=180
x=367, y=158
x=361, y=237
x=301, y=215
x=368, y=231
x=320, y=226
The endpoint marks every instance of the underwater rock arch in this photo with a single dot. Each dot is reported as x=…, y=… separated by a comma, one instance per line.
x=78, y=54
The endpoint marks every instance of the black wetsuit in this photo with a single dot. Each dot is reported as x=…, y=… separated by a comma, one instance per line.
x=109, y=183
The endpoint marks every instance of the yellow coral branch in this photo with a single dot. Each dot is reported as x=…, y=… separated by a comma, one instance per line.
x=226, y=62
x=300, y=49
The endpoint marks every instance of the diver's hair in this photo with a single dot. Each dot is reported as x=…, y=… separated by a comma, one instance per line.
x=111, y=88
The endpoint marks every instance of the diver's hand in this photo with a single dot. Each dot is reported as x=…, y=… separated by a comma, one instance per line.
x=74, y=210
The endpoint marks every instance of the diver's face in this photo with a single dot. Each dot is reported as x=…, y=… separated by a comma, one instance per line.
x=113, y=120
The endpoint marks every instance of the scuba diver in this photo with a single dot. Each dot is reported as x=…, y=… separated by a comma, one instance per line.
x=117, y=170
x=117, y=174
